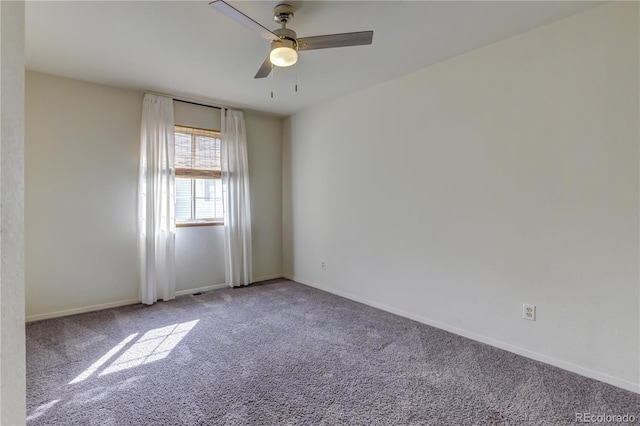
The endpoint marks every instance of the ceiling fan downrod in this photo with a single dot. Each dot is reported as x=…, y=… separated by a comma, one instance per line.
x=282, y=14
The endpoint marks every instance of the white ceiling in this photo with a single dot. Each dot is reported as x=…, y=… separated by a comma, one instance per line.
x=188, y=49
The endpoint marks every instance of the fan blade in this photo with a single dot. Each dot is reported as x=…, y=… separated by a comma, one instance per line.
x=265, y=69
x=243, y=19
x=335, y=40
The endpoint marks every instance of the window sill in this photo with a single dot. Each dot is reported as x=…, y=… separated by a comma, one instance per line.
x=189, y=224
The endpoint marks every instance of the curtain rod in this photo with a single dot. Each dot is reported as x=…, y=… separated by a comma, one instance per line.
x=187, y=101
x=196, y=103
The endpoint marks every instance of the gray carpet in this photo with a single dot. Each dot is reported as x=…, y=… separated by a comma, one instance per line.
x=284, y=353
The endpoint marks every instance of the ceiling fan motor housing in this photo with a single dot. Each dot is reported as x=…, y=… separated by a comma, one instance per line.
x=287, y=34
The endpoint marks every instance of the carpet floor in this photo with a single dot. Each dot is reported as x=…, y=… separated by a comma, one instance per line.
x=284, y=353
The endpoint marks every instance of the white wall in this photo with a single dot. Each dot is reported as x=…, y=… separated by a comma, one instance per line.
x=264, y=148
x=505, y=176
x=12, y=341
x=199, y=259
x=199, y=250
x=82, y=151
x=81, y=162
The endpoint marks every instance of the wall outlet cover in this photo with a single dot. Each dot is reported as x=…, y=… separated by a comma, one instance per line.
x=529, y=312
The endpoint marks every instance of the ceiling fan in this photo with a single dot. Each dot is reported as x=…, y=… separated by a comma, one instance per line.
x=285, y=43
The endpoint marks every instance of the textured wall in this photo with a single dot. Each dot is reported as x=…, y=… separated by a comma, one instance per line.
x=504, y=176
x=199, y=259
x=82, y=151
x=81, y=171
x=12, y=344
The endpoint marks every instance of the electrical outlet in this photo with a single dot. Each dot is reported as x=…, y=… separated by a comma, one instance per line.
x=323, y=264
x=529, y=312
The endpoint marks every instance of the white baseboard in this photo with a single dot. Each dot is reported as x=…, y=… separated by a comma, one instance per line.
x=583, y=371
x=219, y=286
x=200, y=289
x=266, y=277
x=82, y=310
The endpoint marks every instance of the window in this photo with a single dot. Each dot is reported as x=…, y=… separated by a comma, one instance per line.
x=198, y=176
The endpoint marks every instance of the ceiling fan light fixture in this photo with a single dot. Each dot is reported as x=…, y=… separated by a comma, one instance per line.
x=283, y=53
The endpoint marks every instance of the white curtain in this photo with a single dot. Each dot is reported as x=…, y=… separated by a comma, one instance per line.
x=156, y=201
x=237, y=214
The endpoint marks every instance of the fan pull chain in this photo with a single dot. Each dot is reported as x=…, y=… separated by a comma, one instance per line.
x=272, y=81
x=296, y=65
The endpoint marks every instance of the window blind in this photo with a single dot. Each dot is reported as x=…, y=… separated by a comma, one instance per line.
x=197, y=154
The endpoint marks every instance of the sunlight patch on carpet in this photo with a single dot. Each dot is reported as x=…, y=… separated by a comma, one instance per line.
x=153, y=346
x=42, y=409
x=99, y=363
